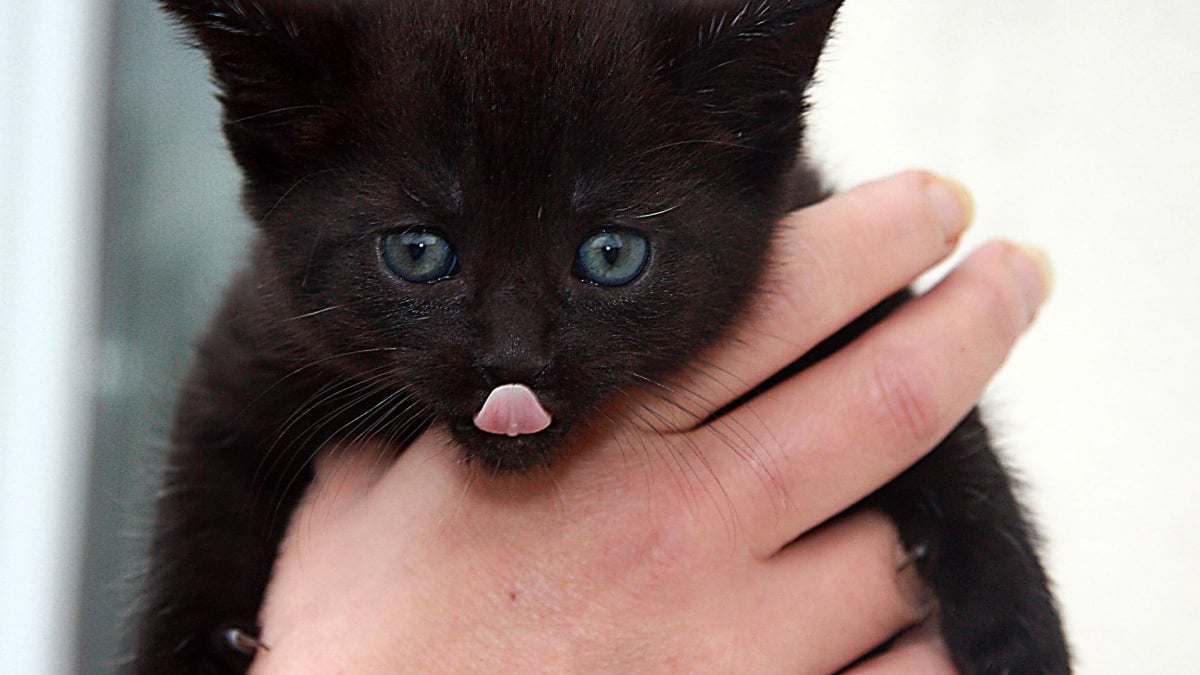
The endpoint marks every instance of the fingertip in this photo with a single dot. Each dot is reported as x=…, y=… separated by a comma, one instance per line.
x=1010, y=280
x=1036, y=274
x=953, y=203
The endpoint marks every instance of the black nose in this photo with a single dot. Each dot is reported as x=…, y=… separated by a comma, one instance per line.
x=511, y=371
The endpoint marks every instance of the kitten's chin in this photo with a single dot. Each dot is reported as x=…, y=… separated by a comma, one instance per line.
x=509, y=454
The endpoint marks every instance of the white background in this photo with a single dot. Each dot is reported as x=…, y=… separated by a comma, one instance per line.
x=1075, y=122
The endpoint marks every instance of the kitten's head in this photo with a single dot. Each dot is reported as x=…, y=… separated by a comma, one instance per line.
x=459, y=194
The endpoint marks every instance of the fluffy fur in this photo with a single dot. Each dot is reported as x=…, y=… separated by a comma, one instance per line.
x=513, y=129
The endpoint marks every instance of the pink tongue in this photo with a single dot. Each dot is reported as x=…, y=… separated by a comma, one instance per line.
x=512, y=410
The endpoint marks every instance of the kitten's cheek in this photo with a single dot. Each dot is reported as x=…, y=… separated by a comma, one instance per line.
x=512, y=410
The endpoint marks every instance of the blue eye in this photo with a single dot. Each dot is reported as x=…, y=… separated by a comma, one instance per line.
x=612, y=258
x=419, y=257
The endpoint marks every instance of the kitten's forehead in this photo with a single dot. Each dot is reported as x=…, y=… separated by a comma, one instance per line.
x=518, y=105
x=521, y=103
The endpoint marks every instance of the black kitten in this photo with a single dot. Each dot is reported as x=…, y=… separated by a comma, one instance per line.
x=495, y=215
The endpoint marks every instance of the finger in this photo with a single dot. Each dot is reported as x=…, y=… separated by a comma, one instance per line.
x=918, y=651
x=832, y=262
x=875, y=407
x=840, y=591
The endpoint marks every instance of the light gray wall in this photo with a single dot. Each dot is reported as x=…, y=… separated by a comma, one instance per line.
x=173, y=232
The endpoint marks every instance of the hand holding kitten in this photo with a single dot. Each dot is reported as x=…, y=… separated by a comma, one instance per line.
x=657, y=548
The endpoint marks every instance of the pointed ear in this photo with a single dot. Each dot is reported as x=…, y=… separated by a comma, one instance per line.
x=277, y=64
x=748, y=68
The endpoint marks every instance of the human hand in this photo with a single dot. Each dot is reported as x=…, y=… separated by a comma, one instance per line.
x=663, y=545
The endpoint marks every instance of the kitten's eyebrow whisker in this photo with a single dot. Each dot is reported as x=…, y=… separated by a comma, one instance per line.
x=413, y=196
x=282, y=198
x=697, y=141
x=656, y=214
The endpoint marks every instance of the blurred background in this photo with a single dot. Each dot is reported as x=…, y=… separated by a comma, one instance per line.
x=1077, y=124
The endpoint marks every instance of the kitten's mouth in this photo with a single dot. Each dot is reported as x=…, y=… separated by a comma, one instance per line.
x=512, y=410
x=511, y=431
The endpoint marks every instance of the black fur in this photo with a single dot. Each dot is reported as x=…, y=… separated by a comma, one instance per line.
x=513, y=128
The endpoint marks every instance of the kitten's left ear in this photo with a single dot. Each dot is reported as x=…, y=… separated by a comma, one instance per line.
x=749, y=66
x=277, y=65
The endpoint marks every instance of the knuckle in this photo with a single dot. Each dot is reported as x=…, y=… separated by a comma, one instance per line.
x=905, y=397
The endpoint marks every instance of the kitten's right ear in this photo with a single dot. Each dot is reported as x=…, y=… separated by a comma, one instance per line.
x=277, y=64
x=746, y=65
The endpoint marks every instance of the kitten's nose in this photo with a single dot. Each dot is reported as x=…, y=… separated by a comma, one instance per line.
x=511, y=371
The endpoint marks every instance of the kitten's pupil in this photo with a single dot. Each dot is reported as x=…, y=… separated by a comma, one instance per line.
x=612, y=254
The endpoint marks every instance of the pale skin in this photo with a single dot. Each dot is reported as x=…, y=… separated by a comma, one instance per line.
x=662, y=546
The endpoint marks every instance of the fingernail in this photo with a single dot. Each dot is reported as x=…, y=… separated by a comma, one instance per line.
x=1036, y=275
x=954, y=205
x=242, y=642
